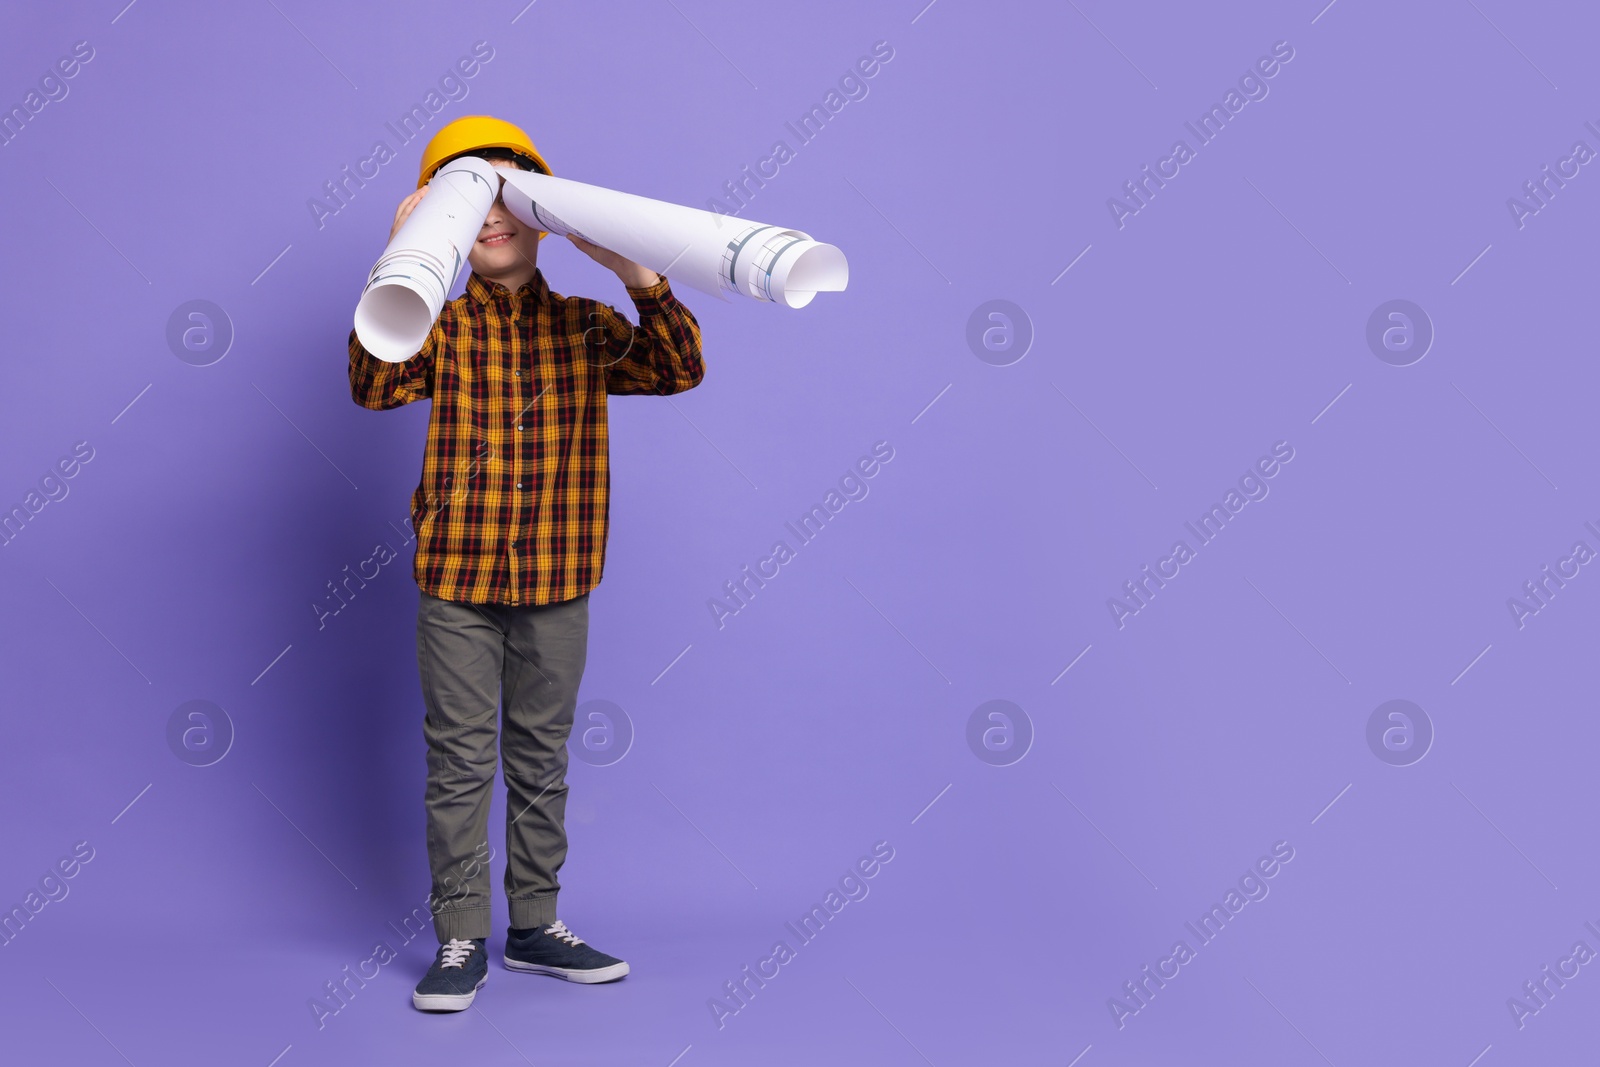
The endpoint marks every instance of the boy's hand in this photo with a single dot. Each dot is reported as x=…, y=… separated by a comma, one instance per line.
x=632, y=274
x=403, y=212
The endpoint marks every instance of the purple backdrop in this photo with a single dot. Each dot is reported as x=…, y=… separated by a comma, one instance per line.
x=1337, y=346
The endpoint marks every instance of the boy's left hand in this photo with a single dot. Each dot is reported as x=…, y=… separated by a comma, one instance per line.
x=632, y=274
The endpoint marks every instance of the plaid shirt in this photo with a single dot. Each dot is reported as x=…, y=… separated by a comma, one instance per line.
x=513, y=503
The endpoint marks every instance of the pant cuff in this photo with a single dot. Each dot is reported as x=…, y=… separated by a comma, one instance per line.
x=537, y=910
x=464, y=923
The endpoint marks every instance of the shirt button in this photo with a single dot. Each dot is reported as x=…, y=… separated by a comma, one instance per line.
x=519, y=485
x=517, y=373
x=519, y=427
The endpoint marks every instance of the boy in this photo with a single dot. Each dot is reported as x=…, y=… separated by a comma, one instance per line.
x=511, y=526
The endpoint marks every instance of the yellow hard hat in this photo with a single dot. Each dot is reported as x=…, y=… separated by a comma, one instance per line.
x=471, y=133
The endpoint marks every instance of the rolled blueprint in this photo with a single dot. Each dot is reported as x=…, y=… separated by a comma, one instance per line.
x=717, y=254
x=408, y=286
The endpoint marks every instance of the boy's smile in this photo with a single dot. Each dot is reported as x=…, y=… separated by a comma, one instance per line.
x=504, y=252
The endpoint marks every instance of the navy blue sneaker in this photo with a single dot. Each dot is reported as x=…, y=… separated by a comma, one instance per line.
x=557, y=951
x=458, y=972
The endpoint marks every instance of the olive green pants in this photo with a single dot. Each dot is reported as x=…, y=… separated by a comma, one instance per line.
x=498, y=682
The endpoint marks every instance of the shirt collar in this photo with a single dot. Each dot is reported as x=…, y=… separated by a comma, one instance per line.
x=483, y=291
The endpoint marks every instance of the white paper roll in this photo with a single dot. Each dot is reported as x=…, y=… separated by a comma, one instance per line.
x=408, y=287
x=717, y=254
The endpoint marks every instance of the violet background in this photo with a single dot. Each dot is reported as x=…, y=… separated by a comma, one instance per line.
x=833, y=711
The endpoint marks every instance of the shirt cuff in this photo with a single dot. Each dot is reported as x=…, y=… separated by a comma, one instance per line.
x=649, y=299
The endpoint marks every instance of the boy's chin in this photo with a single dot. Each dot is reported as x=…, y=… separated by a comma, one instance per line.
x=495, y=264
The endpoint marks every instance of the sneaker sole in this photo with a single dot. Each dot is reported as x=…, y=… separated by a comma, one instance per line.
x=598, y=974
x=446, y=1001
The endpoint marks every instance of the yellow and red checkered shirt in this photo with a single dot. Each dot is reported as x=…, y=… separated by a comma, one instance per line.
x=513, y=505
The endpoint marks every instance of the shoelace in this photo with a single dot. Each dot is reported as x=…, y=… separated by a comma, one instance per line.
x=454, y=952
x=559, y=929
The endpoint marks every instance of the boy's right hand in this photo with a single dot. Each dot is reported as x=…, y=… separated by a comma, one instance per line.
x=404, y=210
